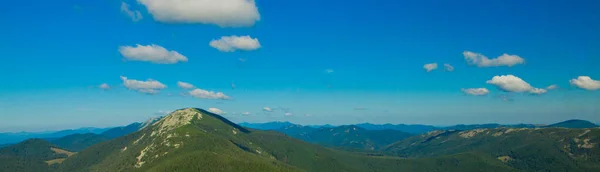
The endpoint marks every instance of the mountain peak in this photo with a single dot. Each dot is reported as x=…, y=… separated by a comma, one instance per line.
x=176, y=119
x=574, y=123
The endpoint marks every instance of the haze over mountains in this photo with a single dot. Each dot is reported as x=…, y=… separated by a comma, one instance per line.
x=198, y=140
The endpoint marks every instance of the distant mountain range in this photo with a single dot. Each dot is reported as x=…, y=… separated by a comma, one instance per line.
x=419, y=129
x=197, y=140
x=574, y=124
x=7, y=138
x=82, y=138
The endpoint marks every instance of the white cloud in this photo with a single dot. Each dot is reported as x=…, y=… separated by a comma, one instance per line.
x=552, y=87
x=431, y=66
x=476, y=91
x=448, y=67
x=480, y=60
x=233, y=43
x=328, y=70
x=538, y=91
x=104, y=86
x=149, y=86
x=245, y=113
x=585, y=82
x=267, y=109
x=148, y=91
x=216, y=111
x=307, y=114
x=511, y=83
x=164, y=112
x=224, y=13
x=204, y=94
x=134, y=15
x=151, y=53
x=185, y=85
x=288, y=114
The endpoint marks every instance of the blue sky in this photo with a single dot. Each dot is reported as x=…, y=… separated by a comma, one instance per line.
x=56, y=55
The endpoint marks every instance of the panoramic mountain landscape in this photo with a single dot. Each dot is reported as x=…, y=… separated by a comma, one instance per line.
x=198, y=140
x=312, y=85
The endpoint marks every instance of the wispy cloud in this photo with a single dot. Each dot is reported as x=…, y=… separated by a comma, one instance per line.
x=448, y=67
x=216, y=111
x=135, y=15
x=149, y=86
x=480, y=60
x=552, y=87
x=476, y=91
x=430, y=67
x=204, y=94
x=185, y=85
x=104, y=86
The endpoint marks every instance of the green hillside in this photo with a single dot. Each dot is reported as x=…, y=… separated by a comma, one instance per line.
x=78, y=142
x=31, y=155
x=353, y=137
x=196, y=140
x=547, y=149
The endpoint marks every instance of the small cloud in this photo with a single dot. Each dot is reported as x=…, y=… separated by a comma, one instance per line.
x=243, y=60
x=134, y=15
x=149, y=86
x=328, y=70
x=430, y=66
x=448, y=67
x=511, y=83
x=288, y=114
x=307, y=114
x=476, y=91
x=267, y=109
x=232, y=86
x=216, y=111
x=538, y=91
x=204, y=94
x=233, y=43
x=552, y=87
x=480, y=60
x=360, y=108
x=163, y=112
x=585, y=82
x=151, y=53
x=505, y=97
x=104, y=86
x=185, y=85
x=246, y=113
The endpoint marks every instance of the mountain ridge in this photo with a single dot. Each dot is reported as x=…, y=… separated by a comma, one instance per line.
x=193, y=139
